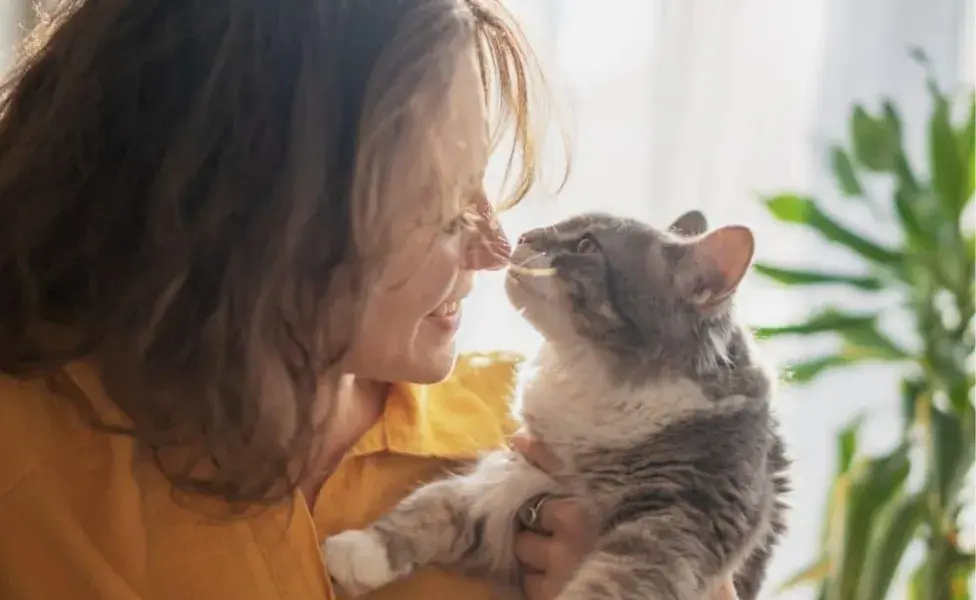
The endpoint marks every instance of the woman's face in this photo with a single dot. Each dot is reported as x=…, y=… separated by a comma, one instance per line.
x=413, y=312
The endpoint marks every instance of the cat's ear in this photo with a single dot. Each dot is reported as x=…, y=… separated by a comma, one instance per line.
x=691, y=223
x=714, y=264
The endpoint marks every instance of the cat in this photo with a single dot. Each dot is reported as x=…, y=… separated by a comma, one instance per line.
x=652, y=396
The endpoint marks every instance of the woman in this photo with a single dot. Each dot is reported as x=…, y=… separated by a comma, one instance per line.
x=227, y=228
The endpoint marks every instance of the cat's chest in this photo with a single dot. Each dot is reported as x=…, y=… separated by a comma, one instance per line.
x=580, y=408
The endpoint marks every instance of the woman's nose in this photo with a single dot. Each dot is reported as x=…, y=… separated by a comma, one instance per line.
x=487, y=246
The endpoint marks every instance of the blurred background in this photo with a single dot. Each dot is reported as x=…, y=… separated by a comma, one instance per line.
x=746, y=109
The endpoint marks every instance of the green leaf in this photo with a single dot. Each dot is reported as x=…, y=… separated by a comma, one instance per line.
x=949, y=173
x=892, y=119
x=803, y=277
x=847, y=444
x=875, y=142
x=795, y=209
x=868, y=342
x=906, y=203
x=874, y=484
x=837, y=233
x=919, y=56
x=952, y=453
x=911, y=390
x=918, y=584
x=810, y=574
x=967, y=148
x=829, y=320
x=808, y=370
x=961, y=576
x=894, y=531
x=790, y=208
x=844, y=172
x=903, y=170
x=859, y=331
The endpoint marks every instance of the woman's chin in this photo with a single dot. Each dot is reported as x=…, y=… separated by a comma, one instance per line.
x=435, y=365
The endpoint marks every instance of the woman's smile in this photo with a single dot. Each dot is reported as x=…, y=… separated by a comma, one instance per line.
x=447, y=316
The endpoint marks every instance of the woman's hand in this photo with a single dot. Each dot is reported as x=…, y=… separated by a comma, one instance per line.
x=549, y=559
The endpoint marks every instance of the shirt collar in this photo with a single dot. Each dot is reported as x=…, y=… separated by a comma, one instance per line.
x=453, y=419
x=457, y=419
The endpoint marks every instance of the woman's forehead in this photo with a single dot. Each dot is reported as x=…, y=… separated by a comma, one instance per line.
x=446, y=167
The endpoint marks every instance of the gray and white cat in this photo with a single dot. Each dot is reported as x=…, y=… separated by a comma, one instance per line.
x=649, y=392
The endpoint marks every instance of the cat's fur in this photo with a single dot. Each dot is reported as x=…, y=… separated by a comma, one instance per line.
x=649, y=392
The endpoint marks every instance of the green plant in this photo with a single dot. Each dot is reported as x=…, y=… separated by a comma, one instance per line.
x=873, y=514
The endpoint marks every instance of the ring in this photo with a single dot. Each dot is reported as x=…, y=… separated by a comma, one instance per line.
x=528, y=514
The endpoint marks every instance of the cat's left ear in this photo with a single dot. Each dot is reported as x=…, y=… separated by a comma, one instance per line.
x=714, y=264
x=691, y=223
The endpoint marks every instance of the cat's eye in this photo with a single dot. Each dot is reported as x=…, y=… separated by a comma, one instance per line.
x=587, y=245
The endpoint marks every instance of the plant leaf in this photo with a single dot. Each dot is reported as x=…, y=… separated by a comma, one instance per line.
x=961, y=576
x=907, y=203
x=892, y=119
x=893, y=533
x=868, y=342
x=806, y=371
x=948, y=171
x=829, y=320
x=810, y=574
x=790, y=208
x=874, y=484
x=967, y=150
x=918, y=584
x=804, y=277
x=903, y=170
x=911, y=390
x=837, y=233
x=952, y=452
x=875, y=142
x=795, y=209
x=844, y=172
x=919, y=56
x=859, y=331
x=847, y=444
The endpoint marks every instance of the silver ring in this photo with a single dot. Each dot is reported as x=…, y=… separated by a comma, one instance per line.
x=529, y=513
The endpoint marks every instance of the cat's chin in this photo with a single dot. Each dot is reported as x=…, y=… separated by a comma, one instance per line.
x=544, y=322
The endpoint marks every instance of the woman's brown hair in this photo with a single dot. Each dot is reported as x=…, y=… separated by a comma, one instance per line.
x=177, y=201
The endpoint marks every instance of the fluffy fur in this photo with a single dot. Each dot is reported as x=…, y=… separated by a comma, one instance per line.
x=649, y=392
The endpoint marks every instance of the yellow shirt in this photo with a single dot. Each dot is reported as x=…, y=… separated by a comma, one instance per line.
x=83, y=516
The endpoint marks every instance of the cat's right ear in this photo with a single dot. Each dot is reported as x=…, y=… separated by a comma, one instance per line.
x=713, y=265
x=690, y=224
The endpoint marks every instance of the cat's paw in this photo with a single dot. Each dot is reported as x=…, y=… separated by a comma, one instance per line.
x=358, y=562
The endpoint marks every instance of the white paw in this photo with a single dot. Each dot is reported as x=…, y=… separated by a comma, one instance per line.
x=358, y=562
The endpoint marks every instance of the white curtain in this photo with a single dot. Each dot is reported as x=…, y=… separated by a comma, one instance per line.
x=16, y=17
x=708, y=104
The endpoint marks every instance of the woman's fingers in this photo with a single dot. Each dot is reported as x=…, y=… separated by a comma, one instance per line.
x=566, y=518
x=536, y=453
x=538, y=587
x=532, y=550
